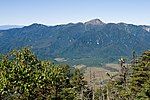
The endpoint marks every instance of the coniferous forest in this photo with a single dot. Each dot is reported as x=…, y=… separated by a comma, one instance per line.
x=91, y=43
x=25, y=77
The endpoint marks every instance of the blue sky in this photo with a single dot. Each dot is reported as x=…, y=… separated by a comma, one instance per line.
x=53, y=12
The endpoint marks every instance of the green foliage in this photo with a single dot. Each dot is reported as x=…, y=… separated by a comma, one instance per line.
x=1, y=56
x=77, y=80
x=131, y=83
x=23, y=77
x=140, y=79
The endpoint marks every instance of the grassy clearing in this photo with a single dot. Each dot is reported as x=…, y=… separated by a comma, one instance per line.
x=95, y=75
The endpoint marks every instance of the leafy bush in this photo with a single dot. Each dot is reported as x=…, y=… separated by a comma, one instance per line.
x=23, y=77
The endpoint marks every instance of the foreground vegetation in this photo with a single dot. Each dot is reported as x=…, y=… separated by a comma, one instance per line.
x=24, y=77
x=131, y=83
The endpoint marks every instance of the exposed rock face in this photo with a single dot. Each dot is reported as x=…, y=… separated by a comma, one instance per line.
x=94, y=22
x=147, y=28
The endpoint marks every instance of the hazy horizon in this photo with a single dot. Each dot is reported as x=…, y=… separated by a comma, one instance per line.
x=55, y=12
x=64, y=23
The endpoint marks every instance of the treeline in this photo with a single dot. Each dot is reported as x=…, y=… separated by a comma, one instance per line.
x=24, y=77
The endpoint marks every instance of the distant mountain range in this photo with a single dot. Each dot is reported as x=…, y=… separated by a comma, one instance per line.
x=6, y=27
x=90, y=43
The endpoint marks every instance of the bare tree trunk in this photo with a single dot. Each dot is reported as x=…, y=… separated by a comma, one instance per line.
x=107, y=94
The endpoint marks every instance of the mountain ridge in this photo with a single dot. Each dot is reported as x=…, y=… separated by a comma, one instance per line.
x=79, y=43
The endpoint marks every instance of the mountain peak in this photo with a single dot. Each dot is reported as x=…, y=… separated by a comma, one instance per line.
x=94, y=22
x=35, y=25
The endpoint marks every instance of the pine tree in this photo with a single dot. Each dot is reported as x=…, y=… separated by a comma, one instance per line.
x=140, y=79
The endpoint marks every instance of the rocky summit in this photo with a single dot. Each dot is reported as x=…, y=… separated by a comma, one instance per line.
x=95, y=22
